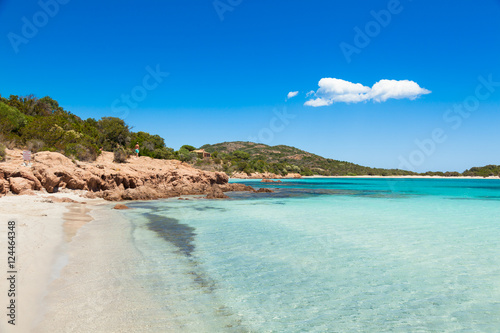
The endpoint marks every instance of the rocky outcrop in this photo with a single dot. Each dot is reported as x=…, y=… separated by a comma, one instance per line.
x=270, y=181
x=140, y=178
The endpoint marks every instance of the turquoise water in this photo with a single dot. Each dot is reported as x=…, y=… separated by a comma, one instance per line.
x=327, y=255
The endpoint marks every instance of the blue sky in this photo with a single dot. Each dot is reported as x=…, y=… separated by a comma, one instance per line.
x=231, y=64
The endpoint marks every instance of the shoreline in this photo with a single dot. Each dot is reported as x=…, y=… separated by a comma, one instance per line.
x=407, y=177
x=368, y=176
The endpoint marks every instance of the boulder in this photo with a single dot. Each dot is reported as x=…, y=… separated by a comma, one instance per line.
x=50, y=181
x=4, y=186
x=216, y=193
x=18, y=185
x=27, y=174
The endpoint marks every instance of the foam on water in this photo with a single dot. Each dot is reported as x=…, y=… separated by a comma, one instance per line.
x=328, y=255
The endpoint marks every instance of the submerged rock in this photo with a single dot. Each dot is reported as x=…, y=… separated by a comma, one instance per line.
x=121, y=207
x=264, y=190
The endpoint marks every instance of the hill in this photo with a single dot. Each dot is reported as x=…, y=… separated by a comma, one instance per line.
x=257, y=157
x=486, y=171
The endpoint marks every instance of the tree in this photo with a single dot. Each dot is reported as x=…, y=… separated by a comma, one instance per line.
x=113, y=132
x=241, y=155
x=32, y=106
x=11, y=119
x=188, y=148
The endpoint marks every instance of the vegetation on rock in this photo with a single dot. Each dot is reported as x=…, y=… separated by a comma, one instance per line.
x=2, y=152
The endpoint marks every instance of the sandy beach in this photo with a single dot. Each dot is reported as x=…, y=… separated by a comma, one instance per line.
x=43, y=234
x=74, y=266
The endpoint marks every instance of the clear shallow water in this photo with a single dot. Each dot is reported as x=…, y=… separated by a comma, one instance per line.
x=328, y=255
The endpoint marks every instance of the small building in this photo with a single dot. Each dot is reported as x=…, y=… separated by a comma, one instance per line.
x=202, y=153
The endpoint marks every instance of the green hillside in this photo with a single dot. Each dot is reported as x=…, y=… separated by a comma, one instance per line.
x=486, y=171
x=290, y=159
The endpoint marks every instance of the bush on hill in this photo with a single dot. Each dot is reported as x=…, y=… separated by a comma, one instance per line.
x=11, y=120
x=113, y=133
x=120, y=155
x=2, y=152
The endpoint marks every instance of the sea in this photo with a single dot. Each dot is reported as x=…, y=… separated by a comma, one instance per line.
x=326, y=255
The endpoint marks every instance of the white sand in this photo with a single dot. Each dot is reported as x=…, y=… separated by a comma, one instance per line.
x=41, y=252
x=97, y=291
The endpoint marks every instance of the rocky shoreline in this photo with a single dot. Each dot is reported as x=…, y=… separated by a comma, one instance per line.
x=140, y=178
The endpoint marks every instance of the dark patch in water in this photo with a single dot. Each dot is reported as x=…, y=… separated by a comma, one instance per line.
x=151, y=205
x=282, y=193
x=205, y=208
x=178, y=234
x=481, y=197
x=202, y=281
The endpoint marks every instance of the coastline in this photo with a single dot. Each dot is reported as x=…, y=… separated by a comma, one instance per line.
x=406, y=177
x=368, y=176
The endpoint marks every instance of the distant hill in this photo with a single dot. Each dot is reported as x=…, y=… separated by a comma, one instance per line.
x=486, y=171
x=303, y=161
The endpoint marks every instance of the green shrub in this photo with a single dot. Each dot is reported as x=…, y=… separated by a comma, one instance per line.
x=113, y=132
x=2, y=152
x=163, y=153
x=241, y=155
x=120, y=155
x=11, y=119
x=81, y=152
x=185, y=155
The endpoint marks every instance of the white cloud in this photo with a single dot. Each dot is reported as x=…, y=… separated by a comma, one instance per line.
x=318, y=102
x=333, y=90
x=292, y=94
x=312, y=92
x=385, y=89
